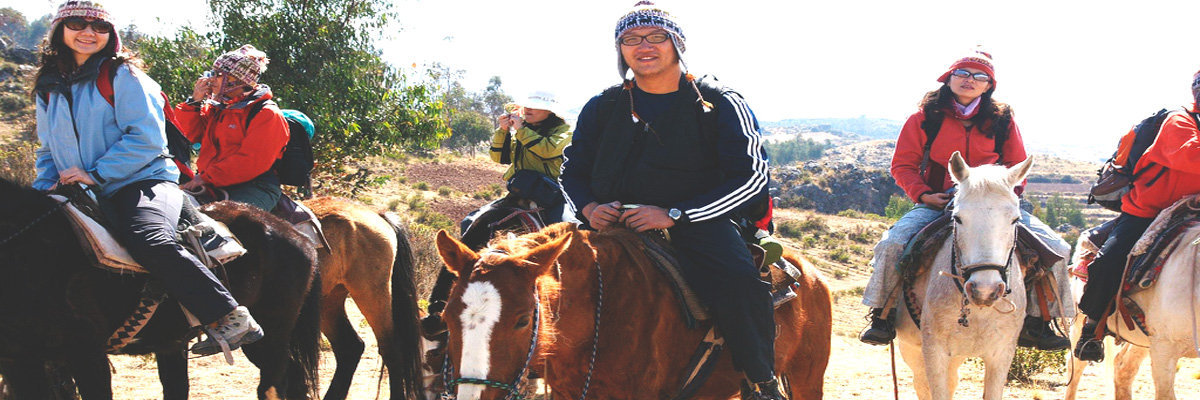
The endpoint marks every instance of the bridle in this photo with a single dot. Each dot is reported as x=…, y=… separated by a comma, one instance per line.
x=969, y=269
x=514, y=388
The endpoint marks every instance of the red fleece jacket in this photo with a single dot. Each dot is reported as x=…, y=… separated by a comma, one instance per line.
x=230, y=153
x=976, y=148
x=1176, y=154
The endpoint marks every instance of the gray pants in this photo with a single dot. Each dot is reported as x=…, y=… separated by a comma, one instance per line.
x=885, y=279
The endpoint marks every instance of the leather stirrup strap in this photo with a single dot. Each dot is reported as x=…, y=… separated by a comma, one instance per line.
x=1043, y=302
x=703, y=361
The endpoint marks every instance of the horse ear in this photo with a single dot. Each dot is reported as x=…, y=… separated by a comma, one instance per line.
x=457, y=256
x=1017, y=173
x=544, y=256
x=958, y=168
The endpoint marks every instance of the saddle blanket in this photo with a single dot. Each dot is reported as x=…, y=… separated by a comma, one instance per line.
x=1146, y=260
x=106, y=253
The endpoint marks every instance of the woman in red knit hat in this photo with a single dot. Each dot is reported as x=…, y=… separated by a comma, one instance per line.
x=961, y=116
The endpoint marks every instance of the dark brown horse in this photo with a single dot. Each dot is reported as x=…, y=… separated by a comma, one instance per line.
x=547, y=282
x=56, y=310
x=369, y=259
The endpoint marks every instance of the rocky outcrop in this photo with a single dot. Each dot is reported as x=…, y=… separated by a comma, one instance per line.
x=831, y=188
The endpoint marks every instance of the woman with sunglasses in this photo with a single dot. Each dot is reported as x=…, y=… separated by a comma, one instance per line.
x=240, y=130
x=966, y=119
x=118, y=150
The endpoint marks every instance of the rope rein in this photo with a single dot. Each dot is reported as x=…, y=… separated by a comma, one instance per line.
x=35, y=221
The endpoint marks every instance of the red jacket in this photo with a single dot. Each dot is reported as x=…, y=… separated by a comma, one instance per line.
x=975, y=147
x=1176, y=155
x=229, y=153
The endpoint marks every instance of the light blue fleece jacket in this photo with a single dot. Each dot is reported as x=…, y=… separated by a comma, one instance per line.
x=118, y=145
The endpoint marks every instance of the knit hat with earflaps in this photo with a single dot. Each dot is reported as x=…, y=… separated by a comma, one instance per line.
x=246, y=64
x=85, y=9
x=646, y=14
x=976, y=58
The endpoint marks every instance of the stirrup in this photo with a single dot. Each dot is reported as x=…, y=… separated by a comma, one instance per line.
x=1090, y=350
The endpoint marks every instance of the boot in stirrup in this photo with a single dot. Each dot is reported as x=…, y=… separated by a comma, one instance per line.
x=1089, y=347
x=882, y=331
x=768, y=390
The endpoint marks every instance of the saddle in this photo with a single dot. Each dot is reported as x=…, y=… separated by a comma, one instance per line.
x=1143, y=265
x=205, y=237
x=303, y=219
x=782, y=276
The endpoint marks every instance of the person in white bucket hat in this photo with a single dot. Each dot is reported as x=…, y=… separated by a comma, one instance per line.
x=531, y=137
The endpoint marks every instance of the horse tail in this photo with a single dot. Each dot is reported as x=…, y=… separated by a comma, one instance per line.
x=306, y=336
x=407, y=335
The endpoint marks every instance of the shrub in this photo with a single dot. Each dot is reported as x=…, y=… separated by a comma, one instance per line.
x=897, y=206
x=862, y=234
x=17, y=162
x=416, y=202
x=1030, y=362
x=434, y=220
x=393, y=204
x=421, y=186
x=444, y=191
x=13, y=102
x=815, y=225
x=840, y=255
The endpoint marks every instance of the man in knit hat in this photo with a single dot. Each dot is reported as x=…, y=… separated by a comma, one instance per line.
x=689, y=156
x=236, y=155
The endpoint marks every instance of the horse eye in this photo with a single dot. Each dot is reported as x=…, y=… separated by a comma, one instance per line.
x=522, y=322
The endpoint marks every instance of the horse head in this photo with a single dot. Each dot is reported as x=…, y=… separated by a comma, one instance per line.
x=492, y=314
x=985, y=218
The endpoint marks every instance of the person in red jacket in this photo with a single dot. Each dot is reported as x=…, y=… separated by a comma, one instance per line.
x=236, y=154
x=1172, y=172
x=969, y=121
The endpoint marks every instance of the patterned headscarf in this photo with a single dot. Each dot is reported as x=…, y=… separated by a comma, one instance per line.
x=246, y=64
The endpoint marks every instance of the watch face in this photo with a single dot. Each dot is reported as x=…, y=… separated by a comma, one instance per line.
x=674, y=213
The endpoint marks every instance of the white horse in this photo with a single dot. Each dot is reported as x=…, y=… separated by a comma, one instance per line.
x=985, y=218
x=1172, y=312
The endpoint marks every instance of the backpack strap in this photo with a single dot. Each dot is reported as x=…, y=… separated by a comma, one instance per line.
x=254, y=109
x=931, y=125
x=104, y=81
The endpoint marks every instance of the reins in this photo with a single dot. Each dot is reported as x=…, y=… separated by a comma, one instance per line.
x=35, y=221
x=960, y=278
x=514, y=389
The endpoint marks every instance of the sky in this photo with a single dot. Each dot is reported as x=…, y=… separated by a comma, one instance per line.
x=1077, y=73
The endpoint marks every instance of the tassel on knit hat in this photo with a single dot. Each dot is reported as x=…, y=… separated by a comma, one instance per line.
x=646, y=14
x=85, y=9
x=246, y=64
x=976, y=58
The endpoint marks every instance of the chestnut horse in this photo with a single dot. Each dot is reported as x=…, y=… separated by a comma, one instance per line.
x=370, y=260
x=549, y=283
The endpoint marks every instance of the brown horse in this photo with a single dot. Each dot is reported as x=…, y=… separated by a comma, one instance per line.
x=547, y=282
x=370, y=260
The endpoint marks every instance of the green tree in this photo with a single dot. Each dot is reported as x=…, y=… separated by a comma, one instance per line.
x=324, y=62
x=13, y=24
x=897, y=206
x=175, y=62
x=493, y=99
x=797, y=149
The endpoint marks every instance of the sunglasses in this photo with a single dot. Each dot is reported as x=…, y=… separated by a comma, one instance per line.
x=634, y=40
x=978, y=76
x=79, y=24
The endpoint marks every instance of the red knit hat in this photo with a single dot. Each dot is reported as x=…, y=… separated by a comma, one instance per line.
x=976, y=58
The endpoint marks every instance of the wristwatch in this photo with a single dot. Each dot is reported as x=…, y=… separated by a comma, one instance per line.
x=675, y=214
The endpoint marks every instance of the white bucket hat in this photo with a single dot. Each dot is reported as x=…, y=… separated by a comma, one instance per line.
x=540, y=100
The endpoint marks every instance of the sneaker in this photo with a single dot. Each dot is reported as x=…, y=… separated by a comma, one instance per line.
x=1089, y=347
x=235, y=329
x=768, y=390
x=881, y=332
x=1036, y=333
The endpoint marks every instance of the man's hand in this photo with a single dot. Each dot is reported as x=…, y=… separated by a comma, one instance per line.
x=935, y=200
x=193, y=185
x=646, y=218
x=75, y=175
x=602, y=216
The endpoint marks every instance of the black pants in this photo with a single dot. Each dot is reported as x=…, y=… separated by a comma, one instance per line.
x=719, y=268
x=1104, y=275
x=143, y=216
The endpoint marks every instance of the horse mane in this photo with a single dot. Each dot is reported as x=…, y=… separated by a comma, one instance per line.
x=986, y=181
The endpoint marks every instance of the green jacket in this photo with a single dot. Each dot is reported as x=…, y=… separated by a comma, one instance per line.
x=529, y=150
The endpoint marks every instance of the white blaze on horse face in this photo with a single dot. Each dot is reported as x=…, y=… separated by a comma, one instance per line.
x=481, y=311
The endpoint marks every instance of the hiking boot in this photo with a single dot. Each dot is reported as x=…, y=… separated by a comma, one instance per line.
x=768, y=390
x=882, y=331
x=1037, y=334
x=235, y=329
x=1089, y=347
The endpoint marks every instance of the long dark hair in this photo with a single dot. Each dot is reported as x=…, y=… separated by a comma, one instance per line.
x=990, y=111
x=56, y=57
